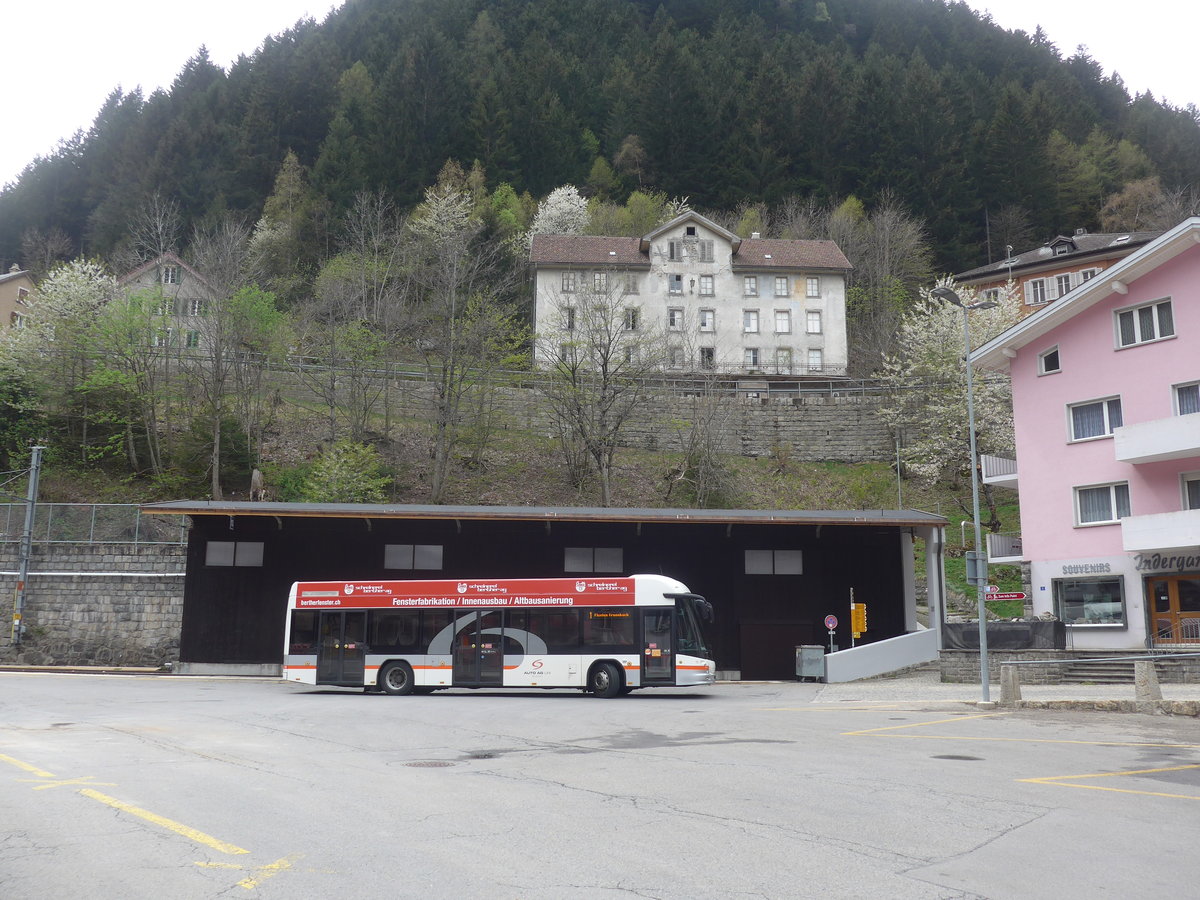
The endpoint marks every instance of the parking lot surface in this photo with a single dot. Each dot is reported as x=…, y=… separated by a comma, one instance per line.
x=140, y=786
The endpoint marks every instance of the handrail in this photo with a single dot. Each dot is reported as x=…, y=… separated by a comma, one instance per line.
x=1077, y=659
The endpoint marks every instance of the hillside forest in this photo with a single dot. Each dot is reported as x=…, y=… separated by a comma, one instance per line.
x=989, y=137
x=361, y=192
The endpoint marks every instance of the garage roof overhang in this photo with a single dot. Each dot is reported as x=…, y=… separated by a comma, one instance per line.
x=875, y=517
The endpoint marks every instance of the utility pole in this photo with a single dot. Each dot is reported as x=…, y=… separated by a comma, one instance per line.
x=35, y=471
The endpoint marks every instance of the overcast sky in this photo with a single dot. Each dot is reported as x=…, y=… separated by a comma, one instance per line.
x=62, y=59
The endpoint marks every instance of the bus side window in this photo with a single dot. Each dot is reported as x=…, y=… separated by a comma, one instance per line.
x=304, y=632
x=433, y=621
x=608, y=627
x=395, y=630
x=561, y=628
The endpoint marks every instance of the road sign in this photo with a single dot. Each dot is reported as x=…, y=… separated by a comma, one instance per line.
x=831, y=622
x=1013, y=595
x=991, y=589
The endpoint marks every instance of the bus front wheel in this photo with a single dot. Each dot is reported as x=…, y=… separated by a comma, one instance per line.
x=396, y=678
x=605, y=680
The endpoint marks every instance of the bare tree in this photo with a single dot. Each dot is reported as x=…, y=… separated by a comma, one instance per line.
x=156, y=227
x=41, y=250
x=373, y=242
x=702, y=475
x=456, y=317
x=236, y=335
x=599, y=374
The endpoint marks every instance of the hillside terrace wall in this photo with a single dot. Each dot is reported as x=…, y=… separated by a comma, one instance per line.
x=818, y=427
x=95, y=604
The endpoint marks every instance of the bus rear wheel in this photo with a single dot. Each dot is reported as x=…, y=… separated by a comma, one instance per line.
x=605, y=680
x=396, y=678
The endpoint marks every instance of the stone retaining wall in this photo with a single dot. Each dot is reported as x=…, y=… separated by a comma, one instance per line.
x=95, y=604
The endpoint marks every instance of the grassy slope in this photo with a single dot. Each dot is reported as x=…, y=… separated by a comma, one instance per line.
x=523, y=469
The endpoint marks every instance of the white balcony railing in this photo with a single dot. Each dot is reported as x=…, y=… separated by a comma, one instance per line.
x=998, y=470
x=1005, y=547
x=1161, y=531
x=1145, y=442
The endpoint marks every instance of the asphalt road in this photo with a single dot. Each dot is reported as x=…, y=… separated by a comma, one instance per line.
x=170, y=787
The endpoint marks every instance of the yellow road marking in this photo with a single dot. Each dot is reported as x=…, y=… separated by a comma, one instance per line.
x=33, y=770
x=888, y=731
x=191, y=833
x=86, y=779
x=923, y=724
x=1066, y=781
x=262, y=873
x=268, y=871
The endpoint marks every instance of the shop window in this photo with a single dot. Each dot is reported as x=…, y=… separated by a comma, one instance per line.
x=1090, y=601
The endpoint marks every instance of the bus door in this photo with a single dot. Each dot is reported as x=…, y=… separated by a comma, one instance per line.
x=658, y=655
x=479, y=650
x=341, y=647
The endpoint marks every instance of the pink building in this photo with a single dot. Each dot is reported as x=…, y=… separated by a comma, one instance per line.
x=1106, y=402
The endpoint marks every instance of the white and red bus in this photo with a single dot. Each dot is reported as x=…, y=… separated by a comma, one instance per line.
x=603, y=635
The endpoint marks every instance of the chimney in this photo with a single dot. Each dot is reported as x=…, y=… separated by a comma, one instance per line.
x=1079, y=231
x=754, y=235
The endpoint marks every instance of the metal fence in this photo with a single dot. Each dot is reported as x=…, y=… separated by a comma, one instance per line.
x=91, y=523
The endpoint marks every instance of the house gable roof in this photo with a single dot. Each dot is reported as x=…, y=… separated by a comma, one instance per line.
x=759, y=253
x=1115, y=279
x=15, y=275
x=167, y=258
x=1080, y=247
x=586, y=249
x=690, y=216
x=553, y=250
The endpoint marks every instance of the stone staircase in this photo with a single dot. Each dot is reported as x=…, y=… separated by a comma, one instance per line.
x=1111, y=672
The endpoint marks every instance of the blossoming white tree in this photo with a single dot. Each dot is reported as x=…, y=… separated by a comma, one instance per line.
x=927, y=404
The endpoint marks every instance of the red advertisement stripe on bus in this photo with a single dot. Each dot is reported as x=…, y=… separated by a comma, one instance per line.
x=529, y=593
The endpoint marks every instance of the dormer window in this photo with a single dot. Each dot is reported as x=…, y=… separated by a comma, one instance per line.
x=1062, y=249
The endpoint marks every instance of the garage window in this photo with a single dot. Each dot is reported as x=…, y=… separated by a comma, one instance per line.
x=774, y=562
x=412, y=556
x=233, y=553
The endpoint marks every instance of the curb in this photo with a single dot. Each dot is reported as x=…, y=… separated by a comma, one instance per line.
x=1149, y=707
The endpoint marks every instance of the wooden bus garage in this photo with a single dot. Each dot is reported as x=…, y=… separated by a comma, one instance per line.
x=772, y=575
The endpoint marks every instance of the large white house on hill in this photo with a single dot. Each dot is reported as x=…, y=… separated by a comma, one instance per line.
x=715, y=302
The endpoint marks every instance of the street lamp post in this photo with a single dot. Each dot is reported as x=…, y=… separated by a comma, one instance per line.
x=976, y=559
